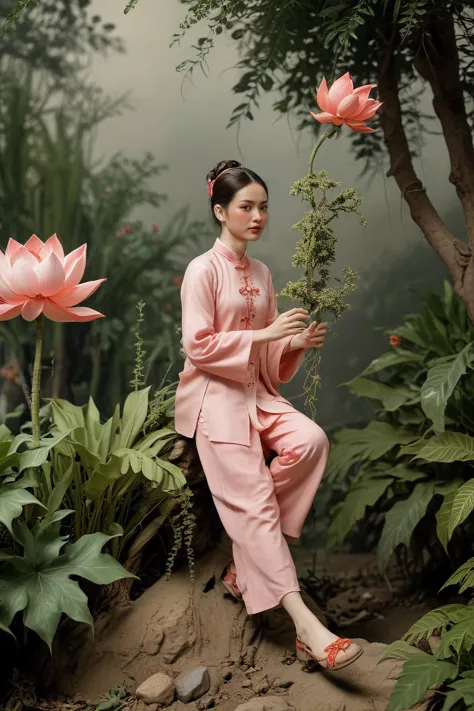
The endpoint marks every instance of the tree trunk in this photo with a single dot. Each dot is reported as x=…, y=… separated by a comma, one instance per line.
x=438, y=63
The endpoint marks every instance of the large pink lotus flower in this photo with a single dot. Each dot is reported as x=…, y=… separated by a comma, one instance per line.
x=37, y=278
x=344, y=104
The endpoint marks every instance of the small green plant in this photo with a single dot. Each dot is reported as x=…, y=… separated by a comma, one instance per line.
x=183, y=525
x=450, y=669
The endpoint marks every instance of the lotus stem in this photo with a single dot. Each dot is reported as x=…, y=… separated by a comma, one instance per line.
x=35, y=390
x=330, y=132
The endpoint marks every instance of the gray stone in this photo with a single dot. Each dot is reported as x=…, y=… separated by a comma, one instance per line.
x=265, y=703
x=157, y=689
x=193, y=684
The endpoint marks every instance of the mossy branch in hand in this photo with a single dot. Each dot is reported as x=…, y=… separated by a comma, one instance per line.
x=316, y=252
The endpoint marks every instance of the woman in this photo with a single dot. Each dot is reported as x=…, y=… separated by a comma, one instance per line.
x=239, y=350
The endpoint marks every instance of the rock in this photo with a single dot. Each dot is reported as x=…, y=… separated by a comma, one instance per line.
x=193, y=684
x=207, y=702
x=157, y=689
x=153, y=646
x=267, y=703
x=262, y=687
x=246, y=684
x=152, y=707
x=227, y=676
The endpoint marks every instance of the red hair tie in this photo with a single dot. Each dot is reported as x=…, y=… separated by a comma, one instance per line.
x=210, y=183
x=210, y=186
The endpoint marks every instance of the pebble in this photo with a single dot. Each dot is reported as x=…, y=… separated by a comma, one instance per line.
x=193, y=684
x=158, y=689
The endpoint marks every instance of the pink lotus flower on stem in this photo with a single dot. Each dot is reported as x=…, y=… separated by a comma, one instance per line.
x=342, y=104
x=36, y=278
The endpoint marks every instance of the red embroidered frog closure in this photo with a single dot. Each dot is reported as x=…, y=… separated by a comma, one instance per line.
x=249, y=291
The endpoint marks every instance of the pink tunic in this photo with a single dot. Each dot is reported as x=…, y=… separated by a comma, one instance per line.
x=224, y=299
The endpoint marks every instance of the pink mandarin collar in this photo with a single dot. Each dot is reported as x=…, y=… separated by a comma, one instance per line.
x=229, y=254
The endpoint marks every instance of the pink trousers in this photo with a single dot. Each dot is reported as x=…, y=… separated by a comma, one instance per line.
x=257, y=504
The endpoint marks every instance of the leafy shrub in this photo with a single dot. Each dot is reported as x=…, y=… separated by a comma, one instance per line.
x=414, y=462
x=111, y=478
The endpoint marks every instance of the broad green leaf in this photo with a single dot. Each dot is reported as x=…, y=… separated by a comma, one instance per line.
x=356, y=445
x=463, y=689
x=49, y=598
x=89, y=459
x=59, y=491
x=150, y=439
x=391, y=398
x=19, y=440
x=460, y=637
x=405, y=473
x=418, y=675
x=44, y=591
x=464, y=576
x=443, y=517
x=410, y=416
x=462, y=505
x=120, y=463
x=397, y=356
x=448, y=447
x=12, y=501
x=412, y=449
x=439, y=386
x=109, y=432
x=408, y=333
x=359, y=497
x=176, y=473
x=92, y=425
x=401, y=520
x=5, y=434
x=85, y=559
x=446, y=487
x=401, y=651
x=440, y=617
x=66, y=416
x=134, y=414
x=38, y=456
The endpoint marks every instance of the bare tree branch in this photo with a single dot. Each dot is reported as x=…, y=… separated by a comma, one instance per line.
x=438, y=63
x=455, y=253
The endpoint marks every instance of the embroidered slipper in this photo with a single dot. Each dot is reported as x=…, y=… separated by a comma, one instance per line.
x=304, y=653
x=229, y=581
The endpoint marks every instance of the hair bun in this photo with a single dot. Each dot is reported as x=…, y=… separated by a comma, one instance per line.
x=220, y=167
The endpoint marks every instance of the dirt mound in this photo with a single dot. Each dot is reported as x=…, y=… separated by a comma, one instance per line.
x=167, y=631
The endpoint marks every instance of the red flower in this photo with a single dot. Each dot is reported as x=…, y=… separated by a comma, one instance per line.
x=127, y=229
x=395, y=340
x=154, y=228
x=177, y=280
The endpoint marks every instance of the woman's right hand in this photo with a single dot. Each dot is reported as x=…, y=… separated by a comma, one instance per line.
x=288, y=323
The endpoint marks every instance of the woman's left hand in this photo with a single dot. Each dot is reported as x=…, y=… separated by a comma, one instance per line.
x=311, y=337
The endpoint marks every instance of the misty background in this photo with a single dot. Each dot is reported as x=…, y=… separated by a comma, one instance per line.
x=183, y=124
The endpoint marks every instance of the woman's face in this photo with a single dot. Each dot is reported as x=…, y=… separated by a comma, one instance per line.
x=246, y=215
